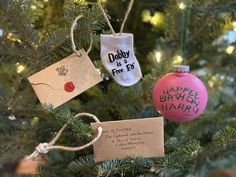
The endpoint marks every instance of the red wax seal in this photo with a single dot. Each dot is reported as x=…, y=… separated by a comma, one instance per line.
x=69, y=87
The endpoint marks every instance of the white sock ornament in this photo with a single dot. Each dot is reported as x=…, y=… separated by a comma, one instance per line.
x=117, y=54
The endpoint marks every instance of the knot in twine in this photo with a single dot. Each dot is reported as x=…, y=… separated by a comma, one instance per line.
x=44, y=148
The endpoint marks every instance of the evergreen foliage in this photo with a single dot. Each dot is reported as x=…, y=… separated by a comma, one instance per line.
x=36, y=34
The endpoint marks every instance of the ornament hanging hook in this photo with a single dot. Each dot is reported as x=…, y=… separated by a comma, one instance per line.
x=125, y=18
x=72, y=37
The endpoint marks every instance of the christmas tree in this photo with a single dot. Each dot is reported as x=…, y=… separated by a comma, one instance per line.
x=35, y=34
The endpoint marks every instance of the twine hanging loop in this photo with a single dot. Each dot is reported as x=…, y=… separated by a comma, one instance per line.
x=44, y=148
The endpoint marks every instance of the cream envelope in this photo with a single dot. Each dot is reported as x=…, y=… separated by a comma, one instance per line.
x=130, y=138
x=65, y=79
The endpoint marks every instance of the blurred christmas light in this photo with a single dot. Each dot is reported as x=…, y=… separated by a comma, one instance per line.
x=33, y=7
x=222, y=77
x=45, y=0
x=234, y=25
x=231, y=79
x=214, y=78
x=158, y=56
x=194, y=153
x=10, y=36
x=229, y=50
x=211, y=83
x=1, y=32
x=12, y=117
x=182, y=6
x=35, y=121
x=234, y=20
x=177, y=60
x=80, y=1
x=20, y=68
x=146, y=16
x=152, y=169
x=156, y=19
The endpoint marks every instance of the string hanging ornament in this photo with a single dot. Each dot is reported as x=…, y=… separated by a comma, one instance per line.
x=44, y=148
x=71, y=68
x=30, y=163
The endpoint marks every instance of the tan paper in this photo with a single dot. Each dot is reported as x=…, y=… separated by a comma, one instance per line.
x=130, y=138
x=65, y=79
x=29, y=167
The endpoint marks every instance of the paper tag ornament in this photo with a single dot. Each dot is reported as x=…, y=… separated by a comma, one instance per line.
x=65, y=79
x=117, y=54
x=130, y=138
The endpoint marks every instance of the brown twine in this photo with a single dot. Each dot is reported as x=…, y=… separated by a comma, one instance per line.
x=44, y=148
x=125, y=18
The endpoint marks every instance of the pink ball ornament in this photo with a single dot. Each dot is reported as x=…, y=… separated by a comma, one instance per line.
x=180, y=96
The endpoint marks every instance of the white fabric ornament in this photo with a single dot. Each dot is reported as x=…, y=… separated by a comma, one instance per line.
x=117, y=54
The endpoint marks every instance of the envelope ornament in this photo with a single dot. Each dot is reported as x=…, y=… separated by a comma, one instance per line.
x=65, y=79
x=130, y=138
